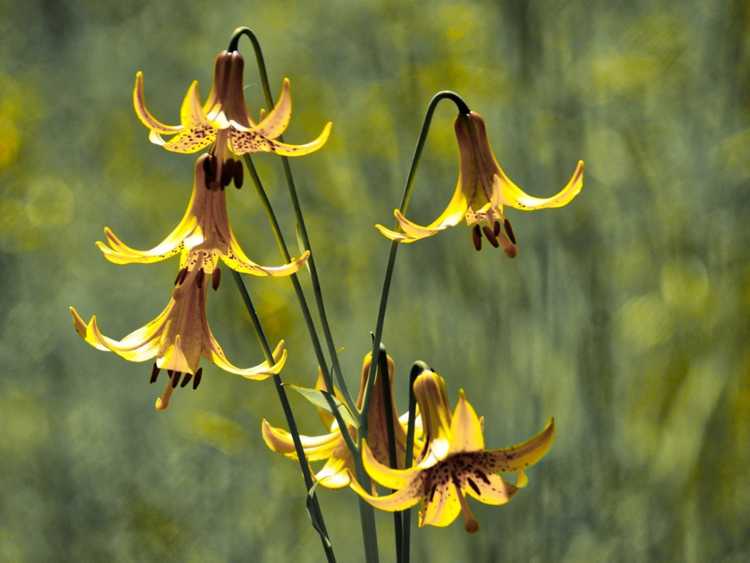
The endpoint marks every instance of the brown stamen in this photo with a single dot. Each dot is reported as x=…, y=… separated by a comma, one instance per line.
x=154, y=373
x=180, y=276
x=496, y=228
x=199, y=278
x=509, y=231
x=186, y=379
x=197, y=379
x=209, y=169
x=227, y=172
x=490, y=236
x=473, y=485
x=216, y=278
x=239, y=174
x=476, y=237
x=176, y=379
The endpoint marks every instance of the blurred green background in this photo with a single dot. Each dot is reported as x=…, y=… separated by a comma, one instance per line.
x=625, y=315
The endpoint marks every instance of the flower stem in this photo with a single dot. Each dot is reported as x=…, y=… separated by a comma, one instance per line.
x=416, y=369
x=317, y=290
x=464, y=109
x=316, y=514
x=385, y=384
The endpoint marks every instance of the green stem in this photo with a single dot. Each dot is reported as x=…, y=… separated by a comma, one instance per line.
x=463, y=109
x=416, y=369
x=385, y=383
x=313, y=505
x=317, y=290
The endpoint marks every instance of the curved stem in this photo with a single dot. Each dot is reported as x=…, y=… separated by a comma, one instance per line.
x=317, y=290
x=463, y=108
x=313, y=505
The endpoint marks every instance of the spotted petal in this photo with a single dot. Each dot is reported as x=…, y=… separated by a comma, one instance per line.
x=238, y=261
x=145, y=116
x=520, y=456
x=276, y=121
x=402, y=499
x=466, y=430
x=489, y=488
x=244, y=140
x=383, y=474
x=441, y=506
x=515, y=197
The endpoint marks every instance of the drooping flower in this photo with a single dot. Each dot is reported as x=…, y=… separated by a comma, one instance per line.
x=177, y=338
x=339, y=467
x=454, y=462
x=202, y=238
x=223, y=119
x=481, y=192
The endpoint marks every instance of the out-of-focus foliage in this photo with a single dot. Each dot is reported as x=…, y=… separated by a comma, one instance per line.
x=625, y=315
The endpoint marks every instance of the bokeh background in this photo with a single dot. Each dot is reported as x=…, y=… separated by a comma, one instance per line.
x=625, y=315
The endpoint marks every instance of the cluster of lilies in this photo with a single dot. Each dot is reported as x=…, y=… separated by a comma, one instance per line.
x=451, y=460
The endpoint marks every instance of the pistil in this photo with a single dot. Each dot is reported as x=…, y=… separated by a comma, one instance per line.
x=470, y=522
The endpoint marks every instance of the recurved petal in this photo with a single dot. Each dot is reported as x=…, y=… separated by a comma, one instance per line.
x=138, y=346
x=520, y=456
x=441, y=506
x=245, y=140
x=188, y=141
x=145, y=116
x=276, y=121
x=238, y=261
x=118, y=252
x=515, y=197
x=180, y=357
x=386, y=476
x=256, y=373
x=489, y=488
x=334, y=474
x=316, y=448
x=466, y=430
x=400, y=500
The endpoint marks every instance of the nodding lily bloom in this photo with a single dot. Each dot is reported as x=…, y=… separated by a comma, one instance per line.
x=202, y=237
x=338, y=469
x=454, y=462
x=481, y=192
x=177, y=338
x=223, y=119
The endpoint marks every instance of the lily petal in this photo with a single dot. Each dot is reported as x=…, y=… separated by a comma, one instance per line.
x=400, y=500
x=450, y=217
x=276, y=121
x=191, y=110
x=520, y=456
x=334, y=474
x=515, y=197
x=386, y=476
x=145, y=116
x=238, y=260
x=245, y=140
x=118, y=252
x=190, y=140
x=466, y=430
x=256, y=373
x=138, y=346
x=489, y=488
x=316, y=448
x=441, y=506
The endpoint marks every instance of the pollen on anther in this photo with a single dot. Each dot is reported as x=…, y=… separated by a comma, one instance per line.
x=197, y=378
x=476, y=236
x=490, y=236
x=509, y=231
x=216, y=278
x=199, y=278
x=176, y=379
x=180, y=276
x=186, y=379
x=154, y=373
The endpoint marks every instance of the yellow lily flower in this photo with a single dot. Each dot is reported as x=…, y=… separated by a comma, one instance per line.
x=454, y=462
x=177, y=338
x=202, y=237
x=223, y=119
x=339, y=467
x=481, y=192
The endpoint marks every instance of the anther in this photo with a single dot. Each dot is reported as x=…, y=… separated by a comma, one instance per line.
x=176, y=379
x=186, y=379
x=154, y=373
x=473, y=485
x=239, y=173
x=509, y=231
x=209, y=169
x=496, y=228
x=199, y=278
x=476, y=236
x=180, y=276
x=197, y=378
x=490, y=236
x=227, y=171
x=216, y=278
